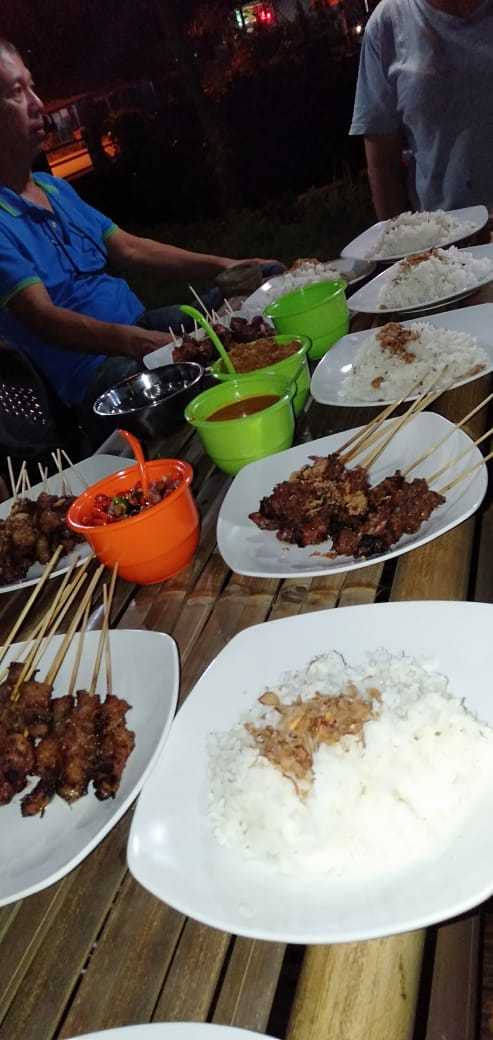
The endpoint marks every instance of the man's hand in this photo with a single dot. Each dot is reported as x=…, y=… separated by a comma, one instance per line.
x=144, y=341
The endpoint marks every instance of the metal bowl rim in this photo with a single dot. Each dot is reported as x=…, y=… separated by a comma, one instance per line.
x=149, y=404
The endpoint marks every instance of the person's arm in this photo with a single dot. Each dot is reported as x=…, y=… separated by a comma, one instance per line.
x=129, y=251
x=386, y=174
x=69, y=330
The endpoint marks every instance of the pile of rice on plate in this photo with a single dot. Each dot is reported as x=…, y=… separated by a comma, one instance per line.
x=412, y=232
x=392, y=359
x=433, y=275
x=397, y=789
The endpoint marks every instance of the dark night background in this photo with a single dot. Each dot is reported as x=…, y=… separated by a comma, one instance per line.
x=238, y=122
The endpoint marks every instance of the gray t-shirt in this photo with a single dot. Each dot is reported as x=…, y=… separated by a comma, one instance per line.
x=430, y=75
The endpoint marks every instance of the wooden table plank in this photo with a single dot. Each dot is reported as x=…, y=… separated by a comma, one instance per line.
x=453, y=1007
x=249, y=985
x=146, y=932
x=359, y=991
x=190, y=986
x=87, y=895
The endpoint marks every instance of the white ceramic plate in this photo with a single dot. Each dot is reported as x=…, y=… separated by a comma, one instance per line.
x=248, y=550
x=353, y=271
x=366, y=299
x=173, y=853
x=335, y=367
x=173, y=1031
x=91, y=470
x=38, y=851
x=363, y=246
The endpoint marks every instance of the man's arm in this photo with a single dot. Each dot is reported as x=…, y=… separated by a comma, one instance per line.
x=386, y=174
x=127, y=251
x=69, y=330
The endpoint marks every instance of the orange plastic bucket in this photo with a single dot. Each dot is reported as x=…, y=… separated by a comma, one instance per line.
x=155, y=544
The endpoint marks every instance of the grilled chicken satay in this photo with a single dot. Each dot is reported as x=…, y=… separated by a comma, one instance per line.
x=116, y=744
x=48, y=760
x=79, y=746
x=16, y=762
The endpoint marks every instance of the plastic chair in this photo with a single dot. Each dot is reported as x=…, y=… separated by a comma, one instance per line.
x=33, y=422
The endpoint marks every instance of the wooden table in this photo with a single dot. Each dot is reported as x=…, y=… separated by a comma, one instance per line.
x=96, y=950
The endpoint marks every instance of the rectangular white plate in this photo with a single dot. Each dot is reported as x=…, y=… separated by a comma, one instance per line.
x=173, y=853
x=248, y=550
x=336, y=365
x=77, y=477
x=38, y=851
x=366, y=299
x=363, y=246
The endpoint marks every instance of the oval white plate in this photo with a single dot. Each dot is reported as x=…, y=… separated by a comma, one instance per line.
x=173, y=853
x=334, y=368
x=174, y=1031
x=38, y=851
x=366, y=299
x=248, y=550
x=362, y=247
x=89, y=471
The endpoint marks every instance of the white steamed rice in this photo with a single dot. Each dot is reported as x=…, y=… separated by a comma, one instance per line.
x=438, y=277
x=412, y=232
x=375, y=806
x=433, y=349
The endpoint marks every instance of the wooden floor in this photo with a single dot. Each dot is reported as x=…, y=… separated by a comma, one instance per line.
x=96, y=950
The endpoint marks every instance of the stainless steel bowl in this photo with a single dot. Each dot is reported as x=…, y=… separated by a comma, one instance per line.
x=151, y=404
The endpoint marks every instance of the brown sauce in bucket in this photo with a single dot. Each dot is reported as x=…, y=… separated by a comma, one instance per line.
x=240, y=409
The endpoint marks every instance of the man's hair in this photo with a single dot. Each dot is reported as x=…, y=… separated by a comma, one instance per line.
x=6, y=47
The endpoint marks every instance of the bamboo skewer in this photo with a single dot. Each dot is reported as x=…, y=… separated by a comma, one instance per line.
x=103, y=637
x=465, y=473
x=76, y=469
x=20, y=481
x=60, y=656
x=201, y=303
x=63, y=607
x=416, y=407
x=371, y=428
x=11, y=477
x=44, y=476
x=35, y=648
x=33, y=597
x=173, y=337
x=80, y=646
x=457, y=458
x=457, y=426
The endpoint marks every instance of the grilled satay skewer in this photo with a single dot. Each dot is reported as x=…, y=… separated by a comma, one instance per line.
x=116, y=742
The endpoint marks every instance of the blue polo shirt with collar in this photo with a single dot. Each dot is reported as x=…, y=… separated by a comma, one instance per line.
x=65, y=249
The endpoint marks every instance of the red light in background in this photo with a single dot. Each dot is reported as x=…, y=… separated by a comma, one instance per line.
x=264, y=14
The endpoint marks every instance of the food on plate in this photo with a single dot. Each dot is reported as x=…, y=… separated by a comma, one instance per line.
x=67, y=741
x=412, y=232
x=32, y=531
x=350, y=769
x=109, y=510
x=241, y=409
x=248, y=357
x=198, y=347
x=326, y=500
x=392, y=359
x=433, y=275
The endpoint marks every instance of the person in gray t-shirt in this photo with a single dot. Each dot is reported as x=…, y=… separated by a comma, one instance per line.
x=424, y=103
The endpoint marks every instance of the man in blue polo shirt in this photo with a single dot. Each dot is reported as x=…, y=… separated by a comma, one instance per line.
x=77, y=323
